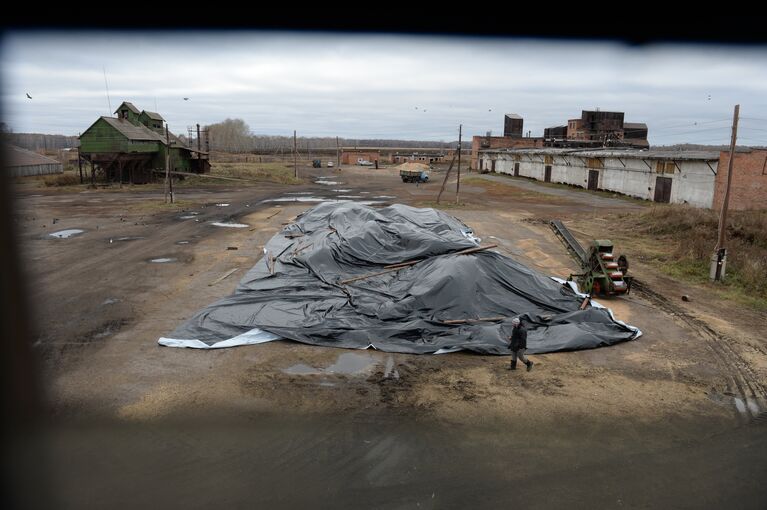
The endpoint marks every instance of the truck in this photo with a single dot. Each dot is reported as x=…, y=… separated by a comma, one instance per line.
x=413, y=176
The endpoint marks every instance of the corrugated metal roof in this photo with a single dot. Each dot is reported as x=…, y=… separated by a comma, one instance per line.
x=153, y=115
x=22, y=157
x=141, y=132
x=613, y=153
x=130, y=107
x=132, y=131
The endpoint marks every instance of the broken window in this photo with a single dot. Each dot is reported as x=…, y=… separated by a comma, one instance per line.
x=595, y=163
x=664, y=167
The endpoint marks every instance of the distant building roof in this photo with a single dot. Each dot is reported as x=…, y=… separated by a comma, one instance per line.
x=153, y=115
x=22, y=157
x=634, y=125
x=513, y=116
x=614, y=153
x=130, y=107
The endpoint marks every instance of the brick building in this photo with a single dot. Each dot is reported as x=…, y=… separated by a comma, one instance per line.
x=596, y=128
x=420, y=157
x=350, y=157
x=748, y=189
x=499, y=142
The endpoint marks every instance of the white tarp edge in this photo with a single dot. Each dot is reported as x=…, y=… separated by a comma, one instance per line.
x=252, y=337
x=574, y=286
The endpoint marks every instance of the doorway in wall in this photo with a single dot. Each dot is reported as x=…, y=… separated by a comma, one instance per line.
x=663, y=189
x=593, y=179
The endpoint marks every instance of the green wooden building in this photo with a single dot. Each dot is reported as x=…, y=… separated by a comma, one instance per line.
x=134, y=147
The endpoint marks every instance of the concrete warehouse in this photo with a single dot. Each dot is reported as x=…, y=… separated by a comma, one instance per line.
x=680, y=177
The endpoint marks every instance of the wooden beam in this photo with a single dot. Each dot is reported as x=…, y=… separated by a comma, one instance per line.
x=225, y=275
x=469, y=321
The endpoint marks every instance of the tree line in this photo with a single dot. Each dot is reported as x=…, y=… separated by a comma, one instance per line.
x=234, y=135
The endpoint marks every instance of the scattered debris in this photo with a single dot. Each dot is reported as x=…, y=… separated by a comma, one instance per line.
x=223, y=277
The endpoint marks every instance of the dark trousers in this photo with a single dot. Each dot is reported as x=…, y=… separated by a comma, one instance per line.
x=518, y=354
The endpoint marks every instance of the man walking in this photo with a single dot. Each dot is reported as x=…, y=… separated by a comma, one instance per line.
x=518, y=344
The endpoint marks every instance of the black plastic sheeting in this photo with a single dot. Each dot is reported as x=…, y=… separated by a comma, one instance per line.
x=299, y=297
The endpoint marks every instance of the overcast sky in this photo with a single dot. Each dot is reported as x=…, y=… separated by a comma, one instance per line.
x=378, y=86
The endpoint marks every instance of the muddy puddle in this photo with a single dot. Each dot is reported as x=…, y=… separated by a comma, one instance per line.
x=229, y=224
x=348, y=363
x=126, y=238
x=297, y=199
x=745, y=406
x=66, y=234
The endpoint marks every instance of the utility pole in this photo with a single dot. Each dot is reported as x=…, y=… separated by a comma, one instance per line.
x=719, y=258
x=444, y=182
x=167, y=166
x=295, y=155
x=80, y=164
x=458, y=182
x=338, y=157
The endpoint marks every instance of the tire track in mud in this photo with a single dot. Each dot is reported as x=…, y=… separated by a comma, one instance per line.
x=743, y=382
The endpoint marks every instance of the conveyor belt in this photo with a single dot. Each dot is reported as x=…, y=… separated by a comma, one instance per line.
x=569, y=241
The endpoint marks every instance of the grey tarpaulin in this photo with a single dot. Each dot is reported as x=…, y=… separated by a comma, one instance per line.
x=294, y=291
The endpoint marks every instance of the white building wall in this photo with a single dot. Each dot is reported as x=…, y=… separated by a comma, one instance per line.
x=27, y=170
x=635, y=178
x=693, y=185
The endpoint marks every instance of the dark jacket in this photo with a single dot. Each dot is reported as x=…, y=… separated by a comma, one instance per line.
x=518, y=338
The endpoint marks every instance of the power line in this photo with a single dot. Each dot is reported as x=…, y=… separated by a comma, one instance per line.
x=663, y=128
x=696, y=131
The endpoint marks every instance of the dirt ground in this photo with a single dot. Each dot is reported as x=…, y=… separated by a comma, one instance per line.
x=675, y=418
